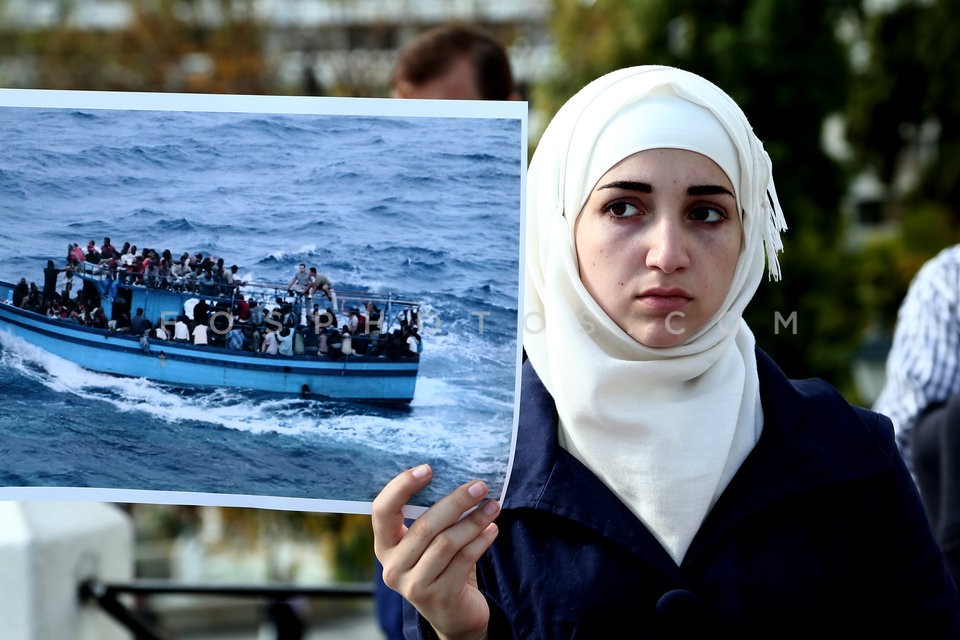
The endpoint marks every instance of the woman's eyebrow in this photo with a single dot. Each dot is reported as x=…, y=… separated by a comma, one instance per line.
x=708, y=190
x=644, y=187
x=629, y=185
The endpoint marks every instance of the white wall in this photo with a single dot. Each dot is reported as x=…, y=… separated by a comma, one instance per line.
x=46, y=550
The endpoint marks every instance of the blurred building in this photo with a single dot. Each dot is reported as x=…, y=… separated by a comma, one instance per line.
x=322, y=47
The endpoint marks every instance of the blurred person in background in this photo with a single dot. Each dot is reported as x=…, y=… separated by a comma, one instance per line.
x=453, y=62
x=921, y=394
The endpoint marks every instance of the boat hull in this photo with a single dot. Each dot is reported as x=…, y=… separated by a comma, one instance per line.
x=368, y=378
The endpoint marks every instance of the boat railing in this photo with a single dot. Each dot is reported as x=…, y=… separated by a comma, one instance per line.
x=341, y=301
x=98, y=274
x=393, y=308
x=342, y=295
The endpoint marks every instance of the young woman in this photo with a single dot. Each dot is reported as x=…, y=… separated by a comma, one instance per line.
x=669, y=480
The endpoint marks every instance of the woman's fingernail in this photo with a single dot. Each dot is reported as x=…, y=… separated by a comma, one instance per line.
x=421, y=472
x=491, y=507
x=477, y=489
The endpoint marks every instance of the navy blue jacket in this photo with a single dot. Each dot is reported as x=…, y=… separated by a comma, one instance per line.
x=821, y=533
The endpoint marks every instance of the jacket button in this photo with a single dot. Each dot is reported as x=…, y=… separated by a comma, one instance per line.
x=680, y=608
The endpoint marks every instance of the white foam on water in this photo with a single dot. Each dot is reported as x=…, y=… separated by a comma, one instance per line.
x=437, y=433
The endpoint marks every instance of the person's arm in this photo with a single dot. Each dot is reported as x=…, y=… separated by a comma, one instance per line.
x=921, y=598
x=432, y=563
x=923, y=366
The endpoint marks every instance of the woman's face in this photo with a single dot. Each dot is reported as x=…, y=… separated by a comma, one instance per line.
x=657, y=244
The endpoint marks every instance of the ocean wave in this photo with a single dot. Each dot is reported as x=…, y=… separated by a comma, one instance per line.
x=177, y=224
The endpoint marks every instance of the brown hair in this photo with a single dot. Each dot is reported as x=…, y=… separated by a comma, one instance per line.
x=431, y=54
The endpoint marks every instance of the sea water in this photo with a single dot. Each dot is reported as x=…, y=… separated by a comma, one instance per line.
x=426, y=208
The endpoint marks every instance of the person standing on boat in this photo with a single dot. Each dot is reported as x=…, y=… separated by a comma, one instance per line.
x=374, y=319
x=353, y=320
x=300, y=282
x=346, y=342
x=129, y=257
x=270, y=344
x=254, y=342
x=221, y=321
x=107, y=250
x=164, y=275
x=181, y=331
x=75, y=253
x=140, y=325
x=208, y=284
x=235, y=339
x=65, y=282
x=231, y=281
x=93, y=254
x=21, y=292
x=322, y=346
x=151, y=273
x=412, y=340
x=201, y=312
x=241, y=308
x=181, y=268
x=50, y=275
x=311, y=332
x=285, y=341
x=200, y=334
x=256, y=313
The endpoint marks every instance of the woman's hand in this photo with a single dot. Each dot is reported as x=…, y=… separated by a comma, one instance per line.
x=432, y=563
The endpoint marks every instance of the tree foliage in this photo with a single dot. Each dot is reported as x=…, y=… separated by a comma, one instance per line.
x=909, y=80
x=169, y=45
x=903, y=125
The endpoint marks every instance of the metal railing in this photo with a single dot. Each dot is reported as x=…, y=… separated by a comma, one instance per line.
x=106, y=595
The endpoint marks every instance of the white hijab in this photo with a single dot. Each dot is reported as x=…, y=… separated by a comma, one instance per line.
x=665, y=429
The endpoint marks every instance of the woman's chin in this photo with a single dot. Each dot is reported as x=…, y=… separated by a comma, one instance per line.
x=657, y=338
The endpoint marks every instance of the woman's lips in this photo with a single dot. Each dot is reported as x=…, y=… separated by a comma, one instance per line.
x=665, y=300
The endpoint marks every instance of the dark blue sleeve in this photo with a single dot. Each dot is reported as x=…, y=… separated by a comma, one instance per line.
x=388, y=604
x=926, y=595
x=416, y=626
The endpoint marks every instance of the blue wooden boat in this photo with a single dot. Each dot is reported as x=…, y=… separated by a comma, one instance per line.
x=183, y=364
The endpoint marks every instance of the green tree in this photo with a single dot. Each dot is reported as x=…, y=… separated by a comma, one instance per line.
x=909, y=82
x=903, y=124
x=169, y=45
x=785, y=65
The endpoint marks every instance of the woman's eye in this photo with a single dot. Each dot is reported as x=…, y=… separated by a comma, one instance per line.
x=708, y=214
x=621, y=210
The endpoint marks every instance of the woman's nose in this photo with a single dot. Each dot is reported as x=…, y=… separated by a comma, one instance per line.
x=667, y=250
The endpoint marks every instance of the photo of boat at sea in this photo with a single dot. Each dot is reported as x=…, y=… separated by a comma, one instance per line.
x=411, y=209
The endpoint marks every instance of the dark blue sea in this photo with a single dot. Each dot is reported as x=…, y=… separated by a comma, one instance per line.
x=424, y=207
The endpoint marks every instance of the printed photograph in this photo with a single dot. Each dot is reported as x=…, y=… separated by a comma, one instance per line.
x=256, y=302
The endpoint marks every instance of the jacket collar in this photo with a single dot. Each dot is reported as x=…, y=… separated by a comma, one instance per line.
x=811, y=438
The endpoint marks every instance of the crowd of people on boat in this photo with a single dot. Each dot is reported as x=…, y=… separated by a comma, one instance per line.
x=220, y=315
x=203, y=274
x=57, y=299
